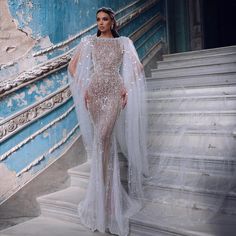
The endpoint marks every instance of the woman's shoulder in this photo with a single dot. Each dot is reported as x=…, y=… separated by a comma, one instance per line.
x=127, y=42
x=85, y=41
x=86, y=38
x=125, y=38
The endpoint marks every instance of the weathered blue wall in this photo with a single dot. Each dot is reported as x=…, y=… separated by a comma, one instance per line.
x=52, y=22
x=32, y=93
x=58, y=20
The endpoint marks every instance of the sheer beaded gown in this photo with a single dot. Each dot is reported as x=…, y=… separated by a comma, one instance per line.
x=106, y=206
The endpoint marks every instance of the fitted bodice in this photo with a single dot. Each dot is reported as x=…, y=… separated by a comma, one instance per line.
x=107, y=56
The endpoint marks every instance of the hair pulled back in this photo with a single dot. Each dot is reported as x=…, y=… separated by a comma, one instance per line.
x=111, y=13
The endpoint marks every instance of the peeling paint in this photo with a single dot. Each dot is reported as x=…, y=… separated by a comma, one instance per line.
x=10, y=49
x=43, y=89
x=64, y=81
x=45, y=134
x=45, y=42
x=17, y=42
x=34, y=92
x=49, y=83
x=38, y=98
x=9, y=103
x=13, y=42
x=64, y=133
x=18, y=99
x=33, y=88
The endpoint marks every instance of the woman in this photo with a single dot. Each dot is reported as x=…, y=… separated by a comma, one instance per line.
x=107, y=83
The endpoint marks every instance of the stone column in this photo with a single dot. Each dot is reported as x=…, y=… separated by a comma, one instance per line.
x=195, y=24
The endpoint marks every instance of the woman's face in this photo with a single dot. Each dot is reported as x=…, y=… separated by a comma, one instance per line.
x=104, y=22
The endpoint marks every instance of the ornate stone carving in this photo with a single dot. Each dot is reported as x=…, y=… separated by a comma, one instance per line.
x=28, y=139
x=36, y=73
x=20, y=120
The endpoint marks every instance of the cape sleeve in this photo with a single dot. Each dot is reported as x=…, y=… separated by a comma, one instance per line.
x=81, y=65
x=132, y=126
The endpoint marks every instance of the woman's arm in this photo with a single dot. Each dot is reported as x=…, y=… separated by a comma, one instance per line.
x=133, y=55
x=73, y=63
x=124, y=96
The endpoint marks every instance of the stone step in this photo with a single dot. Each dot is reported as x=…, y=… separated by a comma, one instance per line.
x=188, y=103
x=192, y=119
x=196, y=80
x=187, y=197
x=79, y=175
x=184, y=180
x=63, y=204
x=180, y=187
x=216, y=165
x=192, y=92
x=199, y=53
x=200, y=142
x=227, y=131
x=171, y=170
x=194, y=70
x=164, y=185
x=163, y=220
x=197, y=61
x=195, y=129
x=153, y=219
x=47, y=226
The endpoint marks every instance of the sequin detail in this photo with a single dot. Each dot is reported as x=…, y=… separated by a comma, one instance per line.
x=104, y=93
x=106, y=205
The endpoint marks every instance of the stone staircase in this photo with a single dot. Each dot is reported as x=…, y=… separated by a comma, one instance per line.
x=192, y=122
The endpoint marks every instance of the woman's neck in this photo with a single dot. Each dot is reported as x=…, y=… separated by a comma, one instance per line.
x=106, y=35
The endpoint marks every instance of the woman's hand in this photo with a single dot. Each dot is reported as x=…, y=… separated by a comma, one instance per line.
x=124, y=97
x=86, y=99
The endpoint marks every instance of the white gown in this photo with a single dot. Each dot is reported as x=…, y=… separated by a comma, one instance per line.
x=104, y=67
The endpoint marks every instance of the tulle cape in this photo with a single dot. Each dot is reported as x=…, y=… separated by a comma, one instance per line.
x=131, y=125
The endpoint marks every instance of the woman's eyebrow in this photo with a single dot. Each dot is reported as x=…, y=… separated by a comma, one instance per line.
x=105, y=17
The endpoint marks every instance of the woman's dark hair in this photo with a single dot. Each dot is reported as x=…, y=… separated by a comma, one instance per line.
x=111, y=13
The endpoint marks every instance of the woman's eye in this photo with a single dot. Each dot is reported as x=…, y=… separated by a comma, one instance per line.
x=105, y=18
